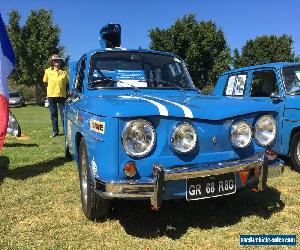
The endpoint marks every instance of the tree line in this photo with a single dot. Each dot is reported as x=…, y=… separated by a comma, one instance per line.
x=202, y=44
x=33, y=44
x=207, y=54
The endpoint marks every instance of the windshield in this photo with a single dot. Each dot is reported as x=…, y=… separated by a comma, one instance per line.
x=14, y=94
x=291, y=79
x=138, y=70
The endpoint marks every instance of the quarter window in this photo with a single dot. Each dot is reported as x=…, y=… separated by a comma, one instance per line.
x=263, y=84
x=236, y=85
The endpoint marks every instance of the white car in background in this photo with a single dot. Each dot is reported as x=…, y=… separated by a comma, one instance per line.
x=16, y=99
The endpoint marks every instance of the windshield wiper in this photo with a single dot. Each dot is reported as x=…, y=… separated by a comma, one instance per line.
x=107, y=80
x=135, y=88
x=101, y=80
x=156, y=83
x=295, y=92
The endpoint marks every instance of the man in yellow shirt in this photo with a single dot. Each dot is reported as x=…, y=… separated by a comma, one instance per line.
x=56, y=81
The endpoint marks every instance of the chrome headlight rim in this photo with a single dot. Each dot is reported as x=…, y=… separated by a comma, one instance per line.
x=255, y=131
x=235, y=123
x=175, y=130
x=149, y=149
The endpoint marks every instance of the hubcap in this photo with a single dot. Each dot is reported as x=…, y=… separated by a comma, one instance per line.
x=298, y=151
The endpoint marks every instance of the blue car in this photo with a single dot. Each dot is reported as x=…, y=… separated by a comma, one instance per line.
x=275, y=83
x=138, y=128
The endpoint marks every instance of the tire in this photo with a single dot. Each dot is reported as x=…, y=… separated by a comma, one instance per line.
x=68, y=156
x=93, y=206
x=295, y=152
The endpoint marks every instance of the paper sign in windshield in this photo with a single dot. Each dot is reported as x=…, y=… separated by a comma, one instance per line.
x=236, y=85
x=130, y=74
x=298, y=75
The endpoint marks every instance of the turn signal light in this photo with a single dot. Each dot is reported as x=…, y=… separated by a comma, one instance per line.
x=270, y=154
x=130, y=169
x=244, y=176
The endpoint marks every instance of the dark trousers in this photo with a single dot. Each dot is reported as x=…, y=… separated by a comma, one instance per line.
x=54, y=103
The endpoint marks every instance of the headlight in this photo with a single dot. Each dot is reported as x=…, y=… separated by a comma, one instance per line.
x=184, y=138
x=138, y=138
x=265, y=130
x=240, y=134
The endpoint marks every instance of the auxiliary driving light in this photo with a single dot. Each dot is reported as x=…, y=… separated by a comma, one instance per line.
x=240, y=134
x=129, y=169
x=265, y=130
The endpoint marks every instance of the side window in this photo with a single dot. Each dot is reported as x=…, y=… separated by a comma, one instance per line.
x=263, y=83
x=236, y=85
x=80, y=74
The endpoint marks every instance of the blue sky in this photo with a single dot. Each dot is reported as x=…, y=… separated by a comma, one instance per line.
x=80, y=21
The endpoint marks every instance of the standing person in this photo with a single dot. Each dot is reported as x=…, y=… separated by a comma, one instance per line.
x=56, y=81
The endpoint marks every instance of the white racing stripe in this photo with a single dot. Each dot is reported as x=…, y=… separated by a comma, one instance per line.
x=161, y=108
x=187, y=112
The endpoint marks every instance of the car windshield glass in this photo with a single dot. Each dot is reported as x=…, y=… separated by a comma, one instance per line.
x=138, y=70
x=14, y=94
x=291, y=79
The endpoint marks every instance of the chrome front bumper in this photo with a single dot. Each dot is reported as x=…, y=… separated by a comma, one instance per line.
x=152, y=188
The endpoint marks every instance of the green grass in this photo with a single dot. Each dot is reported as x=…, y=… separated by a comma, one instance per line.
x=40, y=205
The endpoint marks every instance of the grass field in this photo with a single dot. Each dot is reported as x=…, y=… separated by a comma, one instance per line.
x=40, y=205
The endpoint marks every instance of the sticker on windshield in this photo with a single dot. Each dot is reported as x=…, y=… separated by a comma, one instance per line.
x=177, y=60
x=130, y=74
x=298, y=75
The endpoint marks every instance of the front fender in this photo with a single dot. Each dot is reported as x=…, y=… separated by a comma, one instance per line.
x=290, y=124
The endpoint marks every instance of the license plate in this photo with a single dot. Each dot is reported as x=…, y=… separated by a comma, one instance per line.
x=211, y=186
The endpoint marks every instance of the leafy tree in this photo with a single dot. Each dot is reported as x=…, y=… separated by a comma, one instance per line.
x=265, y=49
x=33, y=44
x=201, y=44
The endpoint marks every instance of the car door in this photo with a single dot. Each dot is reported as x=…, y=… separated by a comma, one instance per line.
x=264, y=86
x=71, y=108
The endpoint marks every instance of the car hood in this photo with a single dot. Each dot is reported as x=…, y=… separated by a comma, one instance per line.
x=194, y=106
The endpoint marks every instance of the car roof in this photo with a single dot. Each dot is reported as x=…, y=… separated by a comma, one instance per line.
x=92, y=51
x=277, y=65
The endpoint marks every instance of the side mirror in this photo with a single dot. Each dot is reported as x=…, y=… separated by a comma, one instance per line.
x=75, y=86
x=275, y=97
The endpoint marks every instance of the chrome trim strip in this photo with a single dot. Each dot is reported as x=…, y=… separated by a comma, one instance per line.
x=199, y=170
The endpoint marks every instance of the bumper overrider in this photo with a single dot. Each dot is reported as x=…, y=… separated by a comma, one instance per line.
x=153, y=187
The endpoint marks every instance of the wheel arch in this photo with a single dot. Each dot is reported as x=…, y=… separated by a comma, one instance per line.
x=293, y=132
x=78, y=137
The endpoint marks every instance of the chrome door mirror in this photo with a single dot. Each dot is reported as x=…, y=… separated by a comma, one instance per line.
x=275, y=97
